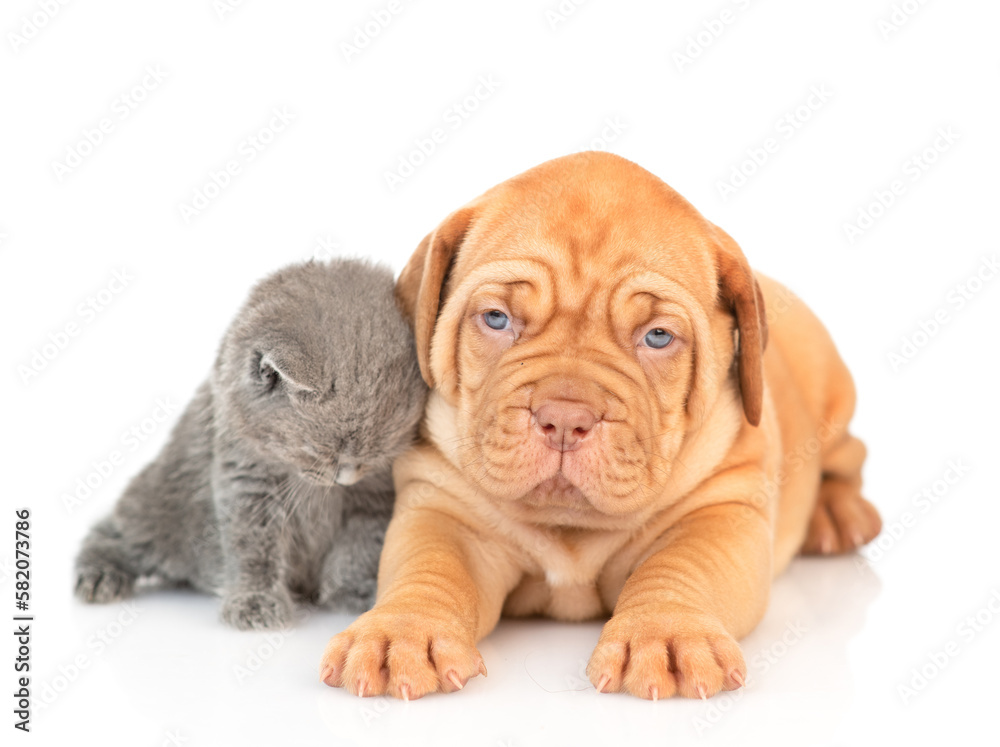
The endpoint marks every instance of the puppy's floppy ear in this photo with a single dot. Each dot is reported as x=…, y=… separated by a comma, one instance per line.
x=421, y=283
x=741, y=291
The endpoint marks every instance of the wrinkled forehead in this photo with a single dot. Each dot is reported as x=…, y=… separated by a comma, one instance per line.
x=590, y=229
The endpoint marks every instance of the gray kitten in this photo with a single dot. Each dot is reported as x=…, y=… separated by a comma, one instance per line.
x=277, y=478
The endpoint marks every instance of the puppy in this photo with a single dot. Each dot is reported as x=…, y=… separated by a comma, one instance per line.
x=614, y=427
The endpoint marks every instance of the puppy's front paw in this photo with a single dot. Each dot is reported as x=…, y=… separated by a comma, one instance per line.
x=257, y=610
x=657, y=656
x=103, y=584
x=403, y=654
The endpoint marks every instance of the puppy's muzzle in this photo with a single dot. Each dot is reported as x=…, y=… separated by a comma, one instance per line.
x=563, y=424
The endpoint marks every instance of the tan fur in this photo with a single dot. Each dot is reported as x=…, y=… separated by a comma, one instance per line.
x=705, y=467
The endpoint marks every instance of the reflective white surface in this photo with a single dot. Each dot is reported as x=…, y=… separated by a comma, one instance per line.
x=841, y=636
x=824, y=668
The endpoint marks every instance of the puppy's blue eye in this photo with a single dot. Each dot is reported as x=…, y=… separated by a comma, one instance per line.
x=658, y=338
x=496, y=320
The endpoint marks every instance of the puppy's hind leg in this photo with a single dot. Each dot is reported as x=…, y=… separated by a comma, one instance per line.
x=842, y=519
x=106, y=568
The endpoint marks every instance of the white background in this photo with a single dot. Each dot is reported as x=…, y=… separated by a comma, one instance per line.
x=841, y=635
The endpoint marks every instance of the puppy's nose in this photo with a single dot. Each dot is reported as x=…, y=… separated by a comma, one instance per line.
x=564, y=424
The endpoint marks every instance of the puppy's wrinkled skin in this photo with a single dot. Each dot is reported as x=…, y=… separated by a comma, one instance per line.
x=617, y=426
x=276, y=481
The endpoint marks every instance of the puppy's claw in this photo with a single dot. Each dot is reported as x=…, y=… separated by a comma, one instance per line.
x=325, y=674
x=603, y=683
x=654, y=694
x=482, y=667
x=404, y=692
x=702, y=693
x=361, y=688
x=738, y=678
x=455, y=680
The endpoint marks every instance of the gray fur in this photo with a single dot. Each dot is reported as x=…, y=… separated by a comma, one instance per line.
x=317, y=370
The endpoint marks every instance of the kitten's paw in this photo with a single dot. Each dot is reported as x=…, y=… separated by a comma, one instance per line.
x=102, y=584
x=662, y=655
x=257, y=610
x=404, y=655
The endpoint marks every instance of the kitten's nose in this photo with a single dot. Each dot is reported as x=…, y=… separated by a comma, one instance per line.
x=347, y=474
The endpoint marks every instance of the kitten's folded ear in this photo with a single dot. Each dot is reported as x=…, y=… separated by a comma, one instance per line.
x=271, y=369
x=263, y=371
x=421, y=285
